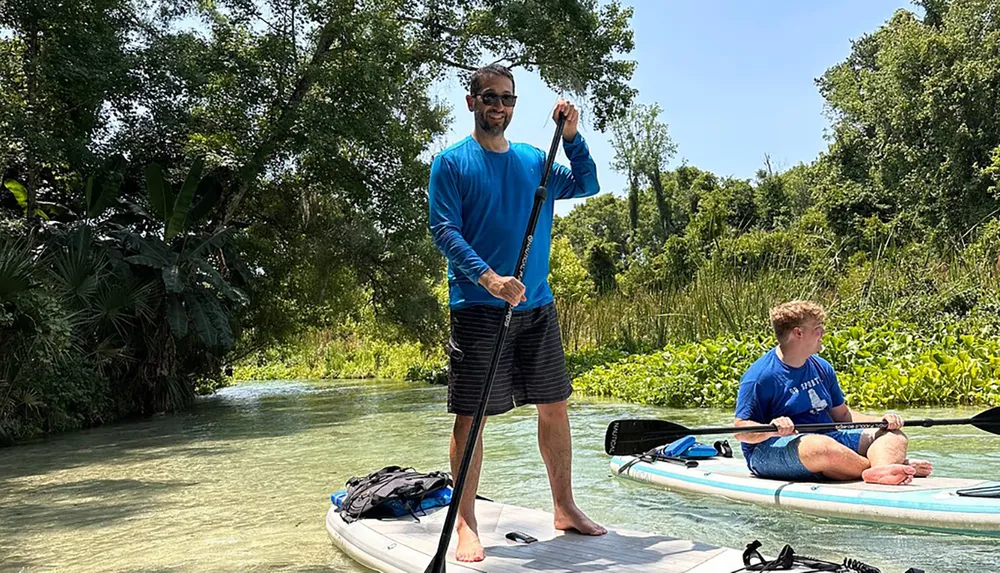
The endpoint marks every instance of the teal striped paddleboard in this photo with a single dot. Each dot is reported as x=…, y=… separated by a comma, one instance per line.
x=930, y=502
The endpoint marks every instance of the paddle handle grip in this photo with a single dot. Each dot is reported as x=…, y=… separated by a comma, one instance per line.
x=551, y=157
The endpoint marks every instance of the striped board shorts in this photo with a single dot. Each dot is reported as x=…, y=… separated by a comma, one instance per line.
x=532, y=368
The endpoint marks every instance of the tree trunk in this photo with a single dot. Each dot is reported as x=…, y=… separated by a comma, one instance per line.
x=633, y=203
x=666, y=225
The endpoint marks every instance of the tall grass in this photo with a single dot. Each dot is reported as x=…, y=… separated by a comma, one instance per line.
x=908, y=286
x=715, y=303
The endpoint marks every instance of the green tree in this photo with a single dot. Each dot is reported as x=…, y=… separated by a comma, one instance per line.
x=643, y=148
x=743, y=214
x=322, y=120
x=600, y=219
x=772, y=198
x=315, y=121
x=60, y=63
x=672, y=268
x=914, y=111
x=567, y=275
x=601, y=267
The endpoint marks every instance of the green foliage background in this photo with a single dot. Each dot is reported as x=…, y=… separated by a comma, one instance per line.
x=166, y=222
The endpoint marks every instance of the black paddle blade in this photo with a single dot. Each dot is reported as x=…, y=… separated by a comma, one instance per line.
x=988, y=421
x=628, y=437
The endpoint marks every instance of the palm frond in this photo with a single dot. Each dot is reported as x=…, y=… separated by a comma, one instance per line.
x=77, y=267
x=17, y=266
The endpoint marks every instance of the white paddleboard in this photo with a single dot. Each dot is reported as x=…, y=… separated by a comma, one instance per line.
x=405, y=545
x=931, y=502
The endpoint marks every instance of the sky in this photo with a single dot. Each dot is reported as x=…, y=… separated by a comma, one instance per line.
x=735, y=80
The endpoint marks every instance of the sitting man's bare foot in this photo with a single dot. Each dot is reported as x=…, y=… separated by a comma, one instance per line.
x=571, y=518
x=922, y=467
x=469, y=547
x=892, y=474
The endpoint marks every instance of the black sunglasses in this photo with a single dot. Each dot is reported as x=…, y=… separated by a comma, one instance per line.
x=508, y=100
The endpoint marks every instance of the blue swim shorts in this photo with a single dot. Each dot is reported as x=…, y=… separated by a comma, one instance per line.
x=778, y=457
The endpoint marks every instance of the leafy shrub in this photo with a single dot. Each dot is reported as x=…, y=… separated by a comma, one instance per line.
x=322, y=354
x=568, y=277
x=672, y=268
x=888, y=366
x=73, y=395
x=687, y=375
x=588, y=358
x=119, y=308
x=759, y=251
x=431, y=374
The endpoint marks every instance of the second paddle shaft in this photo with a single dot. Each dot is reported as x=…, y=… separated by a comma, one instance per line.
x=830, y=426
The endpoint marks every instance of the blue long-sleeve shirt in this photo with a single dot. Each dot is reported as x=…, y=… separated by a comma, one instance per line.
x=480, y=202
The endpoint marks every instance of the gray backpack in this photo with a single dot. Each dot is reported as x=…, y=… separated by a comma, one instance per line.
x=393, y=491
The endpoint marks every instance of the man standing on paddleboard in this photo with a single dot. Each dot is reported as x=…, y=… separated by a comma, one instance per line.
x=481, y=194
x=791, y=385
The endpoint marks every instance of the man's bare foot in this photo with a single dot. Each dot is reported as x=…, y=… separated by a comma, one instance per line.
x=923, y=467
x=572, y=518
x=892, y=474
x=469, y=547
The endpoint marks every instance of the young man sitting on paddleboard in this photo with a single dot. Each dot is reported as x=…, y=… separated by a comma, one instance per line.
x=790, y=385
x=481, y=194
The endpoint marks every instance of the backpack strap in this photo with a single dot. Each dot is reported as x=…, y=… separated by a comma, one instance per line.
x=723, y=448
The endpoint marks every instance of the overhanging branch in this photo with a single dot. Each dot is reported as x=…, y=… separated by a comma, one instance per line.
x=286, y=112
x=528, y=62
x=436, y=26
x=443, y=60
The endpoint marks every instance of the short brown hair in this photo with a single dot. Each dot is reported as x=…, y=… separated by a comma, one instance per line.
x=476, y=82
x=788, y=315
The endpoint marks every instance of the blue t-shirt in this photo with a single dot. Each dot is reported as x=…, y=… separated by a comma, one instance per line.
x=480, y=203
x=771, y=389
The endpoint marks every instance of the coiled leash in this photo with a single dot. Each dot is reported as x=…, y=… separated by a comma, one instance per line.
x=787, y=559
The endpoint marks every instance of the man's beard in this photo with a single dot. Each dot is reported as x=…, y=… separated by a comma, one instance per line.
x=487, y=126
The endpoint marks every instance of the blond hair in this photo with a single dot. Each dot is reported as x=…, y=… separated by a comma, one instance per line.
x=788, y=315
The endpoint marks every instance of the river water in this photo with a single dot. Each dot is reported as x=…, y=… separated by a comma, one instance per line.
x=242, y=483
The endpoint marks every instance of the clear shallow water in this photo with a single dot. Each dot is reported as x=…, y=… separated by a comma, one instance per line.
x=242, y=482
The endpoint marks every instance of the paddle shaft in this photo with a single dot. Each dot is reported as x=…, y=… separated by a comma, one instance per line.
x=926, y=423
x=681, y=431
x=437, y=564
x=627, y=437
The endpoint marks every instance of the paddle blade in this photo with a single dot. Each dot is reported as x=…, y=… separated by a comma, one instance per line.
x=988, y=421
x=628, y=437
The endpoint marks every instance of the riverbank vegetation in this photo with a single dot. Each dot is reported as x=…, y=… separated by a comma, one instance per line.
x=167, y=227
x=663, y=293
